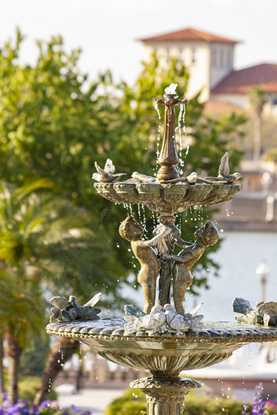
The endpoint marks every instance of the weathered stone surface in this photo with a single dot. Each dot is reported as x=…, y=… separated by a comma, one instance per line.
x=170, y=198
x=165, y=395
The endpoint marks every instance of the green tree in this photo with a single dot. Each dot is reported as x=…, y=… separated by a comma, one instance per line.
x=51, y=128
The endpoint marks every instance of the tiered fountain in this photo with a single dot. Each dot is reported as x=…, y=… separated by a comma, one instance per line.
x=162, y=338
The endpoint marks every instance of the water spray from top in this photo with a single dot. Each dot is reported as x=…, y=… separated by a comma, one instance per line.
x=171, y=89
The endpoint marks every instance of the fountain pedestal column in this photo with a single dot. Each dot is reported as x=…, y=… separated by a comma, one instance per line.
x=165, y=392
x=168, y=157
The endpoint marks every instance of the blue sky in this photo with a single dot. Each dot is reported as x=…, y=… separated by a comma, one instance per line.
x=107, y=30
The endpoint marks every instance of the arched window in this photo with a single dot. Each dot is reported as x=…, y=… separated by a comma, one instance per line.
x=229, y=58
x=193, y=54
x=168, y=54
x=181, y=54
x=221, y=58
x=214, y=57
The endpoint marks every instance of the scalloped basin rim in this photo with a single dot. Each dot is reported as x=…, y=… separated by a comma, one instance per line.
x=166, y=185
x=113, y=328
x=170, y=198
x=214, y=344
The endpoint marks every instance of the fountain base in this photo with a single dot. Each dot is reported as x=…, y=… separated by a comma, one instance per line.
x=165, y=392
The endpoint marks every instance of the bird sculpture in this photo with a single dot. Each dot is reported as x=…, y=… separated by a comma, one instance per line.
x=248, y=314
x=106, y=175
x=270, y=313
x=142, y=178
x=182, y=323
x=224, y=176
x=191, y=179
x=147, y=322
x=70, y=310
x=196, y=324
x=176, y=321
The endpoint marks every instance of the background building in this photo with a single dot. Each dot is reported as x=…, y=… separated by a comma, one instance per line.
x=210, y=61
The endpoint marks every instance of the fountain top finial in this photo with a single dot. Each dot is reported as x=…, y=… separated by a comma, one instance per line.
x=170, y=91
x=170, y=98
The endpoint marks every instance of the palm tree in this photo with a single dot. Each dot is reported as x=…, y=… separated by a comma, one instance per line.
x=42, y=237
x=61, y=352
x=257, y=99
x=271, y=155
x=21, y=309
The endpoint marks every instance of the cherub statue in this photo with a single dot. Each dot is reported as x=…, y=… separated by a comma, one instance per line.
x=184, y=261
x=166, y=246
x=133, y=232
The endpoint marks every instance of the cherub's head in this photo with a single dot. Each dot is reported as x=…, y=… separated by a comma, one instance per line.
x=207, y=234
x=130, y=229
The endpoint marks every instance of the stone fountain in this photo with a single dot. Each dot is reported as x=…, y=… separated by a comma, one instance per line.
x=162, y=338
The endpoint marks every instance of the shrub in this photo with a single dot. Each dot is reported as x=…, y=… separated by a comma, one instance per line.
x=133, y=402
x=29, y=386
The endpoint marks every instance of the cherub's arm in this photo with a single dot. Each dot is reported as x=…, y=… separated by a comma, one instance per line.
x=183, y=244
x=156, y=239
x=175, y=258
x=187, y=255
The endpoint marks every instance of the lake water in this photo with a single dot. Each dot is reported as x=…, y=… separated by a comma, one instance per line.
x=239, y=256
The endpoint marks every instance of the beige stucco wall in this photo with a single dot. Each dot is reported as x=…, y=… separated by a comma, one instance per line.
x=222, y=62
x=183, y=51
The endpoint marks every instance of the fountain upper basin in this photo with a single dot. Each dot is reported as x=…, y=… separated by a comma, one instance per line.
x=167, y=198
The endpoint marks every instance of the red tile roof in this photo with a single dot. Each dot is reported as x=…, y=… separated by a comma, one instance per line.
x=189, y=34
x=262, y=76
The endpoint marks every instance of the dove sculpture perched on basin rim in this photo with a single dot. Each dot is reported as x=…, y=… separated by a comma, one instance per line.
x=106, y=175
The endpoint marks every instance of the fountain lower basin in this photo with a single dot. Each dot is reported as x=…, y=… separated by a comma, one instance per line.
x=167, y=198
x=165, y=352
